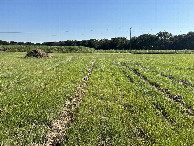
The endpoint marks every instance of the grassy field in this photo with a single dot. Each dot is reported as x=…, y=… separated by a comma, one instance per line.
x=130, y=99
x=82, y=49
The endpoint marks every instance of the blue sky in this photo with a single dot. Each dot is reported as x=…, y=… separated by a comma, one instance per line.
x=58, y=20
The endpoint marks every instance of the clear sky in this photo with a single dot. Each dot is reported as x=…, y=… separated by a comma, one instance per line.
x=59, y=20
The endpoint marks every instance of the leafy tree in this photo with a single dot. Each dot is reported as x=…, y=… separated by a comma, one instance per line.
x=159, y=41
x=164, y=40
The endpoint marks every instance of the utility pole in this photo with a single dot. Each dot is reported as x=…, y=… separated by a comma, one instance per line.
x=130, y=38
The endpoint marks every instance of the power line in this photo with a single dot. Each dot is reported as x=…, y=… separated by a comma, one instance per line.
x=130, y=37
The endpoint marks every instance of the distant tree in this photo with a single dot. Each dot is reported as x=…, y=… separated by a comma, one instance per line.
x=92, y=43
x=29, y=43
x=146, y=42
x=179, y=42
x=119, y=43
x=104, y=44
x=38, y=44
x=159, y=41
x=189, y=39
x=20, y=43
x=3, y=42
x=164, y=41
x=12, y=43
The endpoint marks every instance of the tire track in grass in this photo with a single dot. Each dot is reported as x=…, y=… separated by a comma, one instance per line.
x=138, y=130
x=158, y=106
x=172, y=98
x=181, y=82
x=58, y=128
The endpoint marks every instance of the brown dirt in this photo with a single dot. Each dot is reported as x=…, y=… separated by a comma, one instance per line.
x=58, y=128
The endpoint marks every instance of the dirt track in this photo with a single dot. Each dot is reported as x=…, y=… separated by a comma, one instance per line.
x=58, y=127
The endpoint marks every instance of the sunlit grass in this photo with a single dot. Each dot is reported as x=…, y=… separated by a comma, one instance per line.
x=120, y=106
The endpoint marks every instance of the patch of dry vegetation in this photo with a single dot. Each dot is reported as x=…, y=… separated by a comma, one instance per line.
x=38, y=53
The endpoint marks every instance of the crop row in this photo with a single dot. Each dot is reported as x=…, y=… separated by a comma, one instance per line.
x=121, y=108
x=177, y=67
x=173, y=90
x=28, y=106
x=128, y=100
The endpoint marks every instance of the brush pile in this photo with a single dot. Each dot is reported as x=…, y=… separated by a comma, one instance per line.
x=37, y=53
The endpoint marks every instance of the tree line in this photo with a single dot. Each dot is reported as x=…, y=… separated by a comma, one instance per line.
x=159, y=41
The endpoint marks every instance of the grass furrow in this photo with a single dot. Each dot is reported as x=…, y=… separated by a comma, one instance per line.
x=116, y=111
x=28, y=109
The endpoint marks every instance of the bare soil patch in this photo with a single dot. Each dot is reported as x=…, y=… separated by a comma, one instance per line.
x=58, y=128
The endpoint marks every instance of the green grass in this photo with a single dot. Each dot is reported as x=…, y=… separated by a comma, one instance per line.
x=124, y=101
x=33, y=92
x=126, y=110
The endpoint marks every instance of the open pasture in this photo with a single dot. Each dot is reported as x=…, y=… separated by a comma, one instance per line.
x=129, y=99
